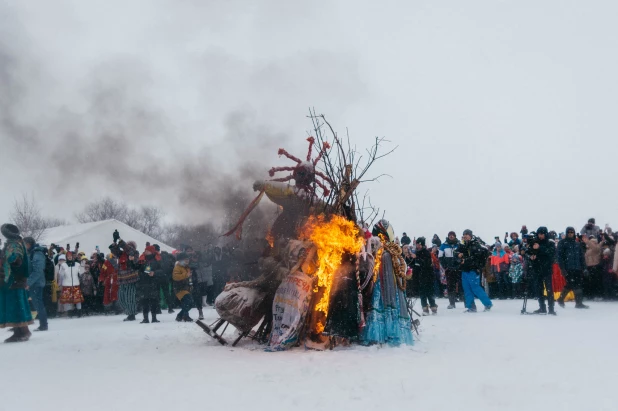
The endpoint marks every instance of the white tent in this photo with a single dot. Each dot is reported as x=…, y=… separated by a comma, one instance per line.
x=99, y=233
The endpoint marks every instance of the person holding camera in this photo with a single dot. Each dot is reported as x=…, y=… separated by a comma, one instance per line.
x=542, y=253
x=473, y=257
x=150, y=273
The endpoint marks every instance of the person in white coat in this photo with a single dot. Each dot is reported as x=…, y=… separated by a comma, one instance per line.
x=68, y=280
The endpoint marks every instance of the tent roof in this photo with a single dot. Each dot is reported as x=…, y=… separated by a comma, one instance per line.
x=98, y=233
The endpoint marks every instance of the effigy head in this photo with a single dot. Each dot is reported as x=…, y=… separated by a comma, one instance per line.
x=384, y=228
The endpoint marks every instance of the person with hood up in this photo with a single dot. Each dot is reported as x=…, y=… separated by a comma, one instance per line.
x=591, y=229
x=542, y=259
x=405, y=240
x=182, y=287
x=500, y=268
x=71, y=296
x=36, y=280
x=149, y=268
x=572, y=262
x=447, y=254
x=423, y=268
x=473, y=257
x=436, y=241
x=15, y=268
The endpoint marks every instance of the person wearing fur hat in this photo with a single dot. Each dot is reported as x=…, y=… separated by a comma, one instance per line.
x=182, y=286
x=423, y=268
x=14, y=307
x=447, y=255
x=128, y=276
x=150, y=273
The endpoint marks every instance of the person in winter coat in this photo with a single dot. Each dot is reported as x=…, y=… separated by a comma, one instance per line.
x=167, y=266
x=593, y=267
x=516, y=272
x=436, y=241
x=542, y=259
x=447, y=254
x=500, y=268
x=150, y=272
x=572, y=262
x=182, y=287
x=514, y=241
x=36, y=280
x=405, y=240
x=423, y=268
x=71, y=294
x=591, y=229
x=201, y=271
x=473, y=257
x=128, y=276
x=607, y=261
x=14, y=271
x=108, y=278
x=86, y=283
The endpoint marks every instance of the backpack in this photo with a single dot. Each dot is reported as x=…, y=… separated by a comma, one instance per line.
x=49, y=270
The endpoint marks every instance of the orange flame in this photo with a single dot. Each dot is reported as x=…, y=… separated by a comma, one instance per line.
x=332, y=238
x=270, y=238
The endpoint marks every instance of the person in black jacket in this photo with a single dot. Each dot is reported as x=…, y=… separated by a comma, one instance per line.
x=473, y=258
x=542, y=256
x=423, y=268
x=572, y=263
x=448, y=259
x=167, y=267
x=150, y=273
x=405, y=240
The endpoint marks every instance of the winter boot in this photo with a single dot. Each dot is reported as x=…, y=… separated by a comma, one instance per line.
x=145, y=320
x=42, y=328
x=487, y=308
x=25, y=334
x=187, y=319
x=15, y=337
x=170, y=310
x=451, y=306
x=425, y=311
x=201, y=314
x=79, y=313
x=470, y=310
x=154, y=319
x=179, y=318
x=579, y=299
x=130, y=318
x=434, y=310
x=551, y=312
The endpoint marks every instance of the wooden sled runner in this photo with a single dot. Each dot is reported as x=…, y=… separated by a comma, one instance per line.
x=261, y=335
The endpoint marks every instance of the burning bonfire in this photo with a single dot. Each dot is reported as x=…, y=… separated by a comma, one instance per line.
x=324, y=278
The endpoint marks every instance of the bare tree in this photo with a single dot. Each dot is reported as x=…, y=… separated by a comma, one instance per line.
x=103, y=209
x=27, y=216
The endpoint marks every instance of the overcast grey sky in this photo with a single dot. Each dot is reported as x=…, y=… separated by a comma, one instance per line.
x=503, y=111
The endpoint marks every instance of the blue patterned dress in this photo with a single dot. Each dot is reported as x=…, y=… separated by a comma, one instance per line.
x=388, y=320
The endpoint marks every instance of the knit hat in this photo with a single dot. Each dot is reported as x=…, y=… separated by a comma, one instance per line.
x=421, y=241
x=542, y=230
x=150, y=249
x=467, y=232
x=62, y=257
x=10, y=231
x=498, y=244
x=452, y=233
x=592, y=221
x=182, y=256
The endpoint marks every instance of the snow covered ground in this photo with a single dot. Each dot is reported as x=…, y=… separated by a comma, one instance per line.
x=486, y=361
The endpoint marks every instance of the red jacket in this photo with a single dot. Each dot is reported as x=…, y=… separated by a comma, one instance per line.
x=109, y=277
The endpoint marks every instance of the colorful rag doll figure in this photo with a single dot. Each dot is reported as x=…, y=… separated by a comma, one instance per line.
x=388, y=321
